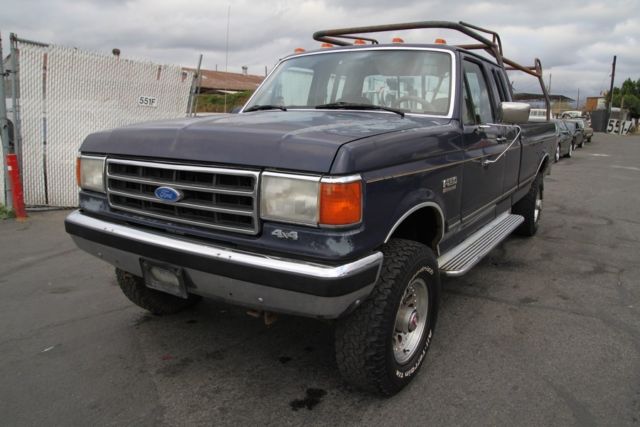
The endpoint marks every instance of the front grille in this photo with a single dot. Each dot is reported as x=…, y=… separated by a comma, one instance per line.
x=223, y=199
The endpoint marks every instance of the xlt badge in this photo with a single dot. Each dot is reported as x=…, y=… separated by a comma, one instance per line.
x=449, y=184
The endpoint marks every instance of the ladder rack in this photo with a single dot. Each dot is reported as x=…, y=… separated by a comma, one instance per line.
x=493, y=46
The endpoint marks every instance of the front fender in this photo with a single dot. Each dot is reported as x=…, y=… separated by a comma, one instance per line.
x=413, y=202
x=391, y=205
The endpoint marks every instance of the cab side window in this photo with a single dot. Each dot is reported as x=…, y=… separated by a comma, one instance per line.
x=502, y=90
x=476, y=90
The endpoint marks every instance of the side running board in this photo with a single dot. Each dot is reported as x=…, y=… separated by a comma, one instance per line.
x=461, y=258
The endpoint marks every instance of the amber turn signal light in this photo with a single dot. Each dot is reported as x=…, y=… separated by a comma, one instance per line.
x=340, y=203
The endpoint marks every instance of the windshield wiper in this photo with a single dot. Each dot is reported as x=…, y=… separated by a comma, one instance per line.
x=357, y=106
x=265, y=107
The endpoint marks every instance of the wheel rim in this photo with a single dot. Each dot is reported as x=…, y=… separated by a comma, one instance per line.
x=411, y=320
x=538, y=210
x=557, y=153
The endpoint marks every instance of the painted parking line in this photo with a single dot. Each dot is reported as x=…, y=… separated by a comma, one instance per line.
x=629, y=168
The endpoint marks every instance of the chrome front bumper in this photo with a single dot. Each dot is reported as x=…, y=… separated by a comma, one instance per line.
x=237, y=277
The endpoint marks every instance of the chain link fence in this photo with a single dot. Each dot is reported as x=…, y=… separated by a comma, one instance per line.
x=67, y=93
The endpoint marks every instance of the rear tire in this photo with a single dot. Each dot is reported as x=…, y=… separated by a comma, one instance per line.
x=381, y=346
x=154, y=301
x=570, y=153
x=530, y=207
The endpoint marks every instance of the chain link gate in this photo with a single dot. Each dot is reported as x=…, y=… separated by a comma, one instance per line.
x=67, y=93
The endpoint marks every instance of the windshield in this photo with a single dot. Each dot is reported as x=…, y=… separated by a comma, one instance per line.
x=414, y=81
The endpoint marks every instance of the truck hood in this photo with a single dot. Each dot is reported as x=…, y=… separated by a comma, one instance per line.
x=295, y=140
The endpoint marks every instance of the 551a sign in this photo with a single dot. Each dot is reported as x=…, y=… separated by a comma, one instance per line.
x=619, y=127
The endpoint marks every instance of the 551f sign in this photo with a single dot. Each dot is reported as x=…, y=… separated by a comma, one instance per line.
x=148, y=101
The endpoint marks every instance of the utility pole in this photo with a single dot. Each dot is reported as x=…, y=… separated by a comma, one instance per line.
x=578, y=100
x=549, y=87
x=613, y=76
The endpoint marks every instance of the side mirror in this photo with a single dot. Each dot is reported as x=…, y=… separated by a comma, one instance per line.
x=515, y=112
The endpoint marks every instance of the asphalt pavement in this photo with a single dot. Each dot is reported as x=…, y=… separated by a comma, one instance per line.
x=544, y=331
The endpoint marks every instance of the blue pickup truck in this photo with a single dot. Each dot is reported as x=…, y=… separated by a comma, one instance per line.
x=351, y=181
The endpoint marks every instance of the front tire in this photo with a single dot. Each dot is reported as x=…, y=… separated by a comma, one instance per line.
x=530, y=207
x=154, y=301
x=382, y=345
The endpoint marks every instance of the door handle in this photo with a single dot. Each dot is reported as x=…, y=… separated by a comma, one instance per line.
x=488, y=162
x=480, y=128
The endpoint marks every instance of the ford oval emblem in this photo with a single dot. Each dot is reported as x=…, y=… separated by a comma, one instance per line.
x=168, y=194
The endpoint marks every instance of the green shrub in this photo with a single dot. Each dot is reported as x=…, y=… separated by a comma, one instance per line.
x=214, y=103
x=6, y=213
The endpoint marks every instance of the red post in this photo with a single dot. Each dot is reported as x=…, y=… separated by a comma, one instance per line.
x=16, y=187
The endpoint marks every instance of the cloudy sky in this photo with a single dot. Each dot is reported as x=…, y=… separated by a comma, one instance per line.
x=575, y=40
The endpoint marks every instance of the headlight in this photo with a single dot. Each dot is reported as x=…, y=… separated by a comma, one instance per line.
x=290, y=198
x=90, y=173
x=306, y=200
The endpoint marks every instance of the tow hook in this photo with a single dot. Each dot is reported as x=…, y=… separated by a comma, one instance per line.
x=268, y=317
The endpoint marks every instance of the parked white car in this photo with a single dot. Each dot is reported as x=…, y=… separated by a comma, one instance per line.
x=538, y=115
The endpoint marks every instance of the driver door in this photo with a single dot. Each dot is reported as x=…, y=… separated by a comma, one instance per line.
x=483, y=140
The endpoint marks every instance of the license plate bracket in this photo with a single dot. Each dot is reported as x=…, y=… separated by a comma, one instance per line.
x=164, y=277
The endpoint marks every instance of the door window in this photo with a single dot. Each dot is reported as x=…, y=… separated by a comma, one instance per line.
x=477, y=93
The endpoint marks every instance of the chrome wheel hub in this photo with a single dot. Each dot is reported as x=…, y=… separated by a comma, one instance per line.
x=411, y=320
x=538, y=208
